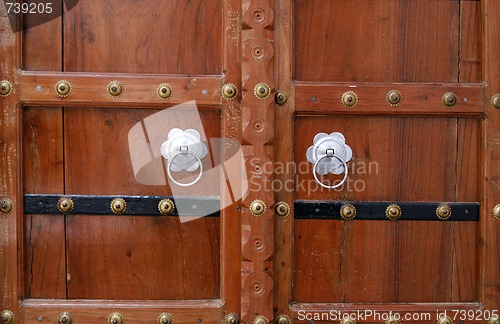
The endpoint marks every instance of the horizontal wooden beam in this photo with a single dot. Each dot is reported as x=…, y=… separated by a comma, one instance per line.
x=90, y=89
x=417, y=98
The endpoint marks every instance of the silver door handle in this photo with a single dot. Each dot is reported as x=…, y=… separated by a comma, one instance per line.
x=329, y=154
x=184, y=150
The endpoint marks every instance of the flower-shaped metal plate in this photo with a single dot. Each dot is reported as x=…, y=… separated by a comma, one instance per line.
x=183, y=140
x=323, y=142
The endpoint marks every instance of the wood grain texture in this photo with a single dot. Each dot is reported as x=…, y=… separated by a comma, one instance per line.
x=376, y=41
x=136, y=254
x=283, y=152
x=490, y=228
x=140, y=90
x=142, y=312
x=257, y=233
x=11, y=224
x=471, y=60
x=231, y=129
x=142, y=258
x=411, y=168
x=417, y=98
x=112, y=37
x=42, y=42
x=45, y=265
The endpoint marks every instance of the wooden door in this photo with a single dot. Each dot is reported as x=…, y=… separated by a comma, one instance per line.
x=410, y=84
x=97, y=87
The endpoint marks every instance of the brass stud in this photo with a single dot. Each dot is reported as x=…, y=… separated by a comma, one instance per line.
x=65, y=205
x=394, y=98
x=347, y=320
x=229, y=91
x=63, y=88
x=449, y=99
x=164, y=91
x=445, y=320
x=494, y=319
x=393, y=212
x=5, y=88
x=115, y=88
x=257, y=207
x=443, y=212
x=282, y=209
x=64, y=318
x=6, y=205
x=348, y=212
x=232, y=318
x=260, y=320
x=165, y=318
x=495, y=100
x=349, y=99
x=166, y=206
x=262, y=91
x=281, y=98
x=283, y=319
x=7, y=317
x=392, y=320
x=116, y=318
x=118, y=206
x=496, y=212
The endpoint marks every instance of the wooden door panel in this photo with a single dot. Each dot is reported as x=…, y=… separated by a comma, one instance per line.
x=380, y=41
x=377, y=262
x=160, y=37
x=45, y=264
x=142, y=258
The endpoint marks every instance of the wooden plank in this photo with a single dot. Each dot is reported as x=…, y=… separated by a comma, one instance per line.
x=45, y=264
x=127, y=42
x=89, y=89
x=490, y=227
x=471, y=20
x=11, y=224
x=42, y=42
x=429, y=172
x=283, y=152
x=258, y=125
x=144, y=312
x=416, y=98
x=388, y=41
x=317, y=261
x=466, y=236
x=230, y=253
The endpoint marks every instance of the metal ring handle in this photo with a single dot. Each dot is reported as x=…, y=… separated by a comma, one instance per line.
x=170, y=172
x=316, y=175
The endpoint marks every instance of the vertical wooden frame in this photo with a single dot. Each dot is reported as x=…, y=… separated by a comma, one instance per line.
x=257, y=43
x=11, y=225
x=490, y=227
x=284, y=155
x=231, y=129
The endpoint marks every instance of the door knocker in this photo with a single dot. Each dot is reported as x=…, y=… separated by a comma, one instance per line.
x=329, y=154
x=184, y=150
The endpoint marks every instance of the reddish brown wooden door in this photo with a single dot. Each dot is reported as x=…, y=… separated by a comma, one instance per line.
x=266, y=77
x=409, y=151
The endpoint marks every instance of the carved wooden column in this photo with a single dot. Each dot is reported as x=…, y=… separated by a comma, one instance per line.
x=258, y=133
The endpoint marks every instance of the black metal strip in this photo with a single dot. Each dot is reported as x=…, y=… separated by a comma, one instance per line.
x=367, y=210
x=136, y=205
